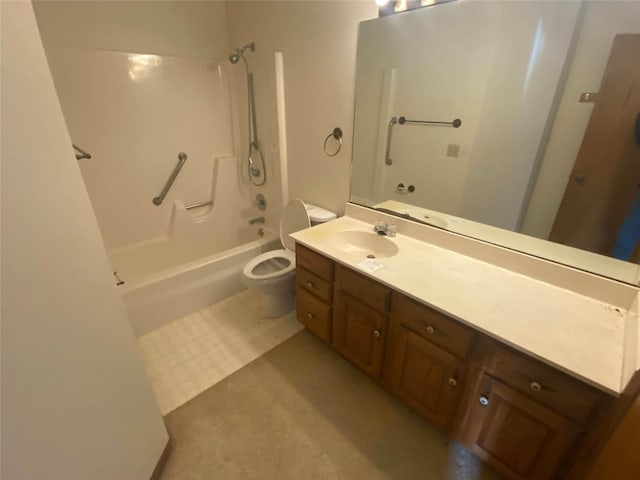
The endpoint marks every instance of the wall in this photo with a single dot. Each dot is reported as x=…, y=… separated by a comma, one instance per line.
x=318, y=42
x=601, y=21
x=76, y=403
x=134, y=112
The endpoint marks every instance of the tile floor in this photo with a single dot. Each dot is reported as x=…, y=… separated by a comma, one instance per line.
x=189, y=355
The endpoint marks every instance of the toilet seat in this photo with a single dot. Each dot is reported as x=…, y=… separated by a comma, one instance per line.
x=269, y=261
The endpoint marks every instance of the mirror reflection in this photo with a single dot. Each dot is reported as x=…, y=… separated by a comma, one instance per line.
x=511, y=122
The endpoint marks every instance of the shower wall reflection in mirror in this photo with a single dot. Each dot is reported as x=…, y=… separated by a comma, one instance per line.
x=548, y=93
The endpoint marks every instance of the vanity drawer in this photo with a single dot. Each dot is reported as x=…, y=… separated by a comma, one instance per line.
x=540, y=382
x=431, y=325
x=368, y=291
x=314, y=314
x=314, y=284
x=314, y=262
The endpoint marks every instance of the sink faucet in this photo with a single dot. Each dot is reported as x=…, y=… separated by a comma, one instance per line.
x=388, y=229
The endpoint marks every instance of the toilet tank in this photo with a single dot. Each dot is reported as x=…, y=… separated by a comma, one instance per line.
x=318, y=214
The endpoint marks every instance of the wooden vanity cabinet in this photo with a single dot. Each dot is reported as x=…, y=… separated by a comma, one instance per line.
x=516, y=434
x=314, y=291
x=524, y=417
x=360, y=320
x=426, y=363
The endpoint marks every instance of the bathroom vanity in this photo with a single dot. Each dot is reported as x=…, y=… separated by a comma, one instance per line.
x=529, y=375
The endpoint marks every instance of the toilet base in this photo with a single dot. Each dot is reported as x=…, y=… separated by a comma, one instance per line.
x=278, y=305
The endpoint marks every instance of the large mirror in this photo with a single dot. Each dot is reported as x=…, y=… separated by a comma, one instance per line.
x=545, y=158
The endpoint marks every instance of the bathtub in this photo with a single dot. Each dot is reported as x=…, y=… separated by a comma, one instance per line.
x=162, y=284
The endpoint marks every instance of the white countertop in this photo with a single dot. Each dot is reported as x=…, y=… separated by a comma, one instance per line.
x=579, y=335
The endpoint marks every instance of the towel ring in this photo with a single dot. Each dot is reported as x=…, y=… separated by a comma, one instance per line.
x=337, y=134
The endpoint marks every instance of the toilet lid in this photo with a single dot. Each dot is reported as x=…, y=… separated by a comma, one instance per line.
x=294, y=219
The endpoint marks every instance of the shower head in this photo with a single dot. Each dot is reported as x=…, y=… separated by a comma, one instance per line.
x=239, y=53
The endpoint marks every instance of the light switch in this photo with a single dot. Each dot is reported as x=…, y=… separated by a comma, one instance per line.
x=453, y=150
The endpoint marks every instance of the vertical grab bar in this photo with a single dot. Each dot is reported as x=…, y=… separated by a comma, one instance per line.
x=387, y=153
x=182, y=157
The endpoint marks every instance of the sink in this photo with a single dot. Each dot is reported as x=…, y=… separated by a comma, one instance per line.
x=364, y=244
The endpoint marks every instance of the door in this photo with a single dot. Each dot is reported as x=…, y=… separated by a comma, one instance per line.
x=606, y=173
x=426, y=377
x=359, y=333
x=516, y=434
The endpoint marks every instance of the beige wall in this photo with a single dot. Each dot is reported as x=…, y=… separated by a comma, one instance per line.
x=182, y=28
x=601, y=22
x=76, y=403
x=318, y=42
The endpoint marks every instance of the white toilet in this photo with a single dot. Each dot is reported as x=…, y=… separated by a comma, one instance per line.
x=273, y=273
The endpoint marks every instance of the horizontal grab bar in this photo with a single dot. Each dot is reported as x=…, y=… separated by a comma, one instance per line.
x=455, y=123
x=182, y=157
x=196, y=205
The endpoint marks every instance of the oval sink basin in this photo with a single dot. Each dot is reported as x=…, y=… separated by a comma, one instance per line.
x=364, y=244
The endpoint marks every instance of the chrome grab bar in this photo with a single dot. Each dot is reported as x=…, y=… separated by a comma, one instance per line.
x=387, y=152
x=182, y=157
x=196, y=205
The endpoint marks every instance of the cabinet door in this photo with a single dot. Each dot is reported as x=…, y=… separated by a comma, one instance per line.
x=516, y=434
x=426, y=377
x=359, y=333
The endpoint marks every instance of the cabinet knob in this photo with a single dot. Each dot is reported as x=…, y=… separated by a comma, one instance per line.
x=310, y=285
x=430, y=330
x=376, y=333
x=453, y=382
x=309, y=315
x=535, y=386
x=484, y=401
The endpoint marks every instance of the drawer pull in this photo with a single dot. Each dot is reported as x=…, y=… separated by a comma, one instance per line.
x=310, y=285
x=535, y=386
x=484, y=401
x=309, y=315
x=376, y=333
x=430, y=330
x=453, y=382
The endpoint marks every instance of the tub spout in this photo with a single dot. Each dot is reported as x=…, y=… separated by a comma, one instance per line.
x=253, y=221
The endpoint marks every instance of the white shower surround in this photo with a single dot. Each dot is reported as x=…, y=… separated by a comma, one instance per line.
x=173, y=260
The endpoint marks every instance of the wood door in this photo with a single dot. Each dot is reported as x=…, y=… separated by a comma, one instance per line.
x=359, y=333
x=517, y=435
x=606, y=173
x=426, y=377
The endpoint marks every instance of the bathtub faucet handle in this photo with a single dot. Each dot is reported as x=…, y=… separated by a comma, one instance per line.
x=260, y=202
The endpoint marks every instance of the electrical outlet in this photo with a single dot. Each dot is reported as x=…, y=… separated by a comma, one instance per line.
x=453, y=150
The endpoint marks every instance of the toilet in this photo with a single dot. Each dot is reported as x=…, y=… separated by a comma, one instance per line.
x=273, y=273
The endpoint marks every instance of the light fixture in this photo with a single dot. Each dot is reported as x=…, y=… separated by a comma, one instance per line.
x=387, y=7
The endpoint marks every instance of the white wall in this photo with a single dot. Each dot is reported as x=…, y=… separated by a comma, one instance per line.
x=76, y=403
x=601, y=22
x=318, y=41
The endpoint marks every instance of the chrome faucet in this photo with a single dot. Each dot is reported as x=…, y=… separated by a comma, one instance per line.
x=253, y=221
x=388, y=229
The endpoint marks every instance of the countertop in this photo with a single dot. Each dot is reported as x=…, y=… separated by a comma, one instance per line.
x=579, y=335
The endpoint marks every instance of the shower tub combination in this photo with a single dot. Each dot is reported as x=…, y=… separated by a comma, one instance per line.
x=161, y=286
x=184, y=249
